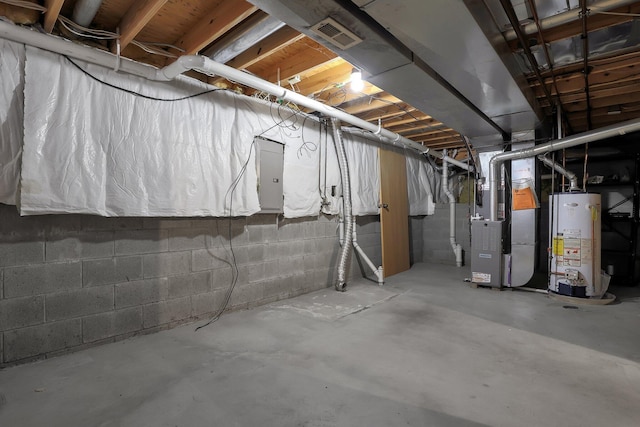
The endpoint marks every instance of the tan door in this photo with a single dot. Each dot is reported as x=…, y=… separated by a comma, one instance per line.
x=394, y=213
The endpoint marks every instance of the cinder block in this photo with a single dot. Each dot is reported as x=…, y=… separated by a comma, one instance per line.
x=42, y=339
x=182, y=239
x=236, y=228
x=21, y=312
x=310, y=246
x=272, y=251
x=309, y=262
x=189, y=284
x=13, y=227
x=166, y=264
x=80, y=245
x=256, y=272
x=256, y=253
x=21, y=252
x=111, y=324
x=100, y=223
x=141, y=241
x=166, y=312
x=112, y=270
x=240, y=253
x=246, y=295
x=208, y=259
x=221, y=278
x=208, y=303
x=141, y=292
x=280, y=286
x=271, y=269
x=42, y=278
x=61, y=225
x=67, y=305
x=309, y=229
x=166, y=223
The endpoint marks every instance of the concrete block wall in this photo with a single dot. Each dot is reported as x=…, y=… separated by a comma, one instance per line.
x=430, y=235
x=72, y=281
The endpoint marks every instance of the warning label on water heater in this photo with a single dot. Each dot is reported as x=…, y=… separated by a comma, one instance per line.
x=477, y=277
x=572, y=248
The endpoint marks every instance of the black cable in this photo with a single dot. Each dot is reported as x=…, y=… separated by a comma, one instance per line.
x=230, y=192
x=131, y=92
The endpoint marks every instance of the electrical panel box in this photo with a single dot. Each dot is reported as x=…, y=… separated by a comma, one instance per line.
x=486, y=253
x=269, y=165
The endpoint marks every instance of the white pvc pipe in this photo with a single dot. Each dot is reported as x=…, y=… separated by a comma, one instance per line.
x=457, y=248
x=568, y=16
x=558, y=144
x=209, y=67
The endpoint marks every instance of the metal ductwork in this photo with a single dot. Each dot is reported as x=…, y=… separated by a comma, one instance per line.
x=411, y=50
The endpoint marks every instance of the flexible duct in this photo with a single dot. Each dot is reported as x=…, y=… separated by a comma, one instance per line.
x=211, y=68
x=457, y=248
x=345, y=250
x=570, y=141
x=573, y=179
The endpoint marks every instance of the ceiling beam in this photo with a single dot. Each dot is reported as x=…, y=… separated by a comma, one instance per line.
x=293, y=60
x=213, y=25
x=138, y=15
x=369, y=103
x=52, y=13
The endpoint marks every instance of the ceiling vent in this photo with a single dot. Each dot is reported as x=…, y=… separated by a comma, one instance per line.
x=336, y=34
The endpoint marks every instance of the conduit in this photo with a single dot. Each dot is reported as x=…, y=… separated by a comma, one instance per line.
x=571, y=141
x=211, y=68
x=573, y=179
x=347, y=238
x=457, y=248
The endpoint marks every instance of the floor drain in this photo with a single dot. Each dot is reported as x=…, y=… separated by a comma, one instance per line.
x=571, y=307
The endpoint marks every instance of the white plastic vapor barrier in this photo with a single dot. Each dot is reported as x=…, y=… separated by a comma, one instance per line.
x=90, y=148
x=364, y=170
x=420, y=181
x=12, y=57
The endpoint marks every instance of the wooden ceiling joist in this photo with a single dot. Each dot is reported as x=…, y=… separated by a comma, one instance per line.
x=52, y=13
x=276, y=41
x=138, y=15
x=219, y=20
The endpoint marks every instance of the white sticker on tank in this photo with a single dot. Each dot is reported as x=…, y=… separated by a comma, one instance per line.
x=572, y=251
x=586, y=251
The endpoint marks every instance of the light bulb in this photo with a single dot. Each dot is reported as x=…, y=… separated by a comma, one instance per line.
x=356, y=80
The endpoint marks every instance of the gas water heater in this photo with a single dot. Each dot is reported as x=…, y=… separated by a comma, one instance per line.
x=575, y=245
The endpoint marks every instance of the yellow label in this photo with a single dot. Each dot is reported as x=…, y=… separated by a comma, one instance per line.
x=558, y=246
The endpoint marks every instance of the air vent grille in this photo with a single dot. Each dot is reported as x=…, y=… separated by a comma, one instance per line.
x=336, y=34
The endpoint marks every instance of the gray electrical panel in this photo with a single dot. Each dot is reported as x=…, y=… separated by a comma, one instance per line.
x=486, y=253
x=269, y=165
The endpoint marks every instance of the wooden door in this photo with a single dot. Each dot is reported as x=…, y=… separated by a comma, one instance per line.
x=394, y=212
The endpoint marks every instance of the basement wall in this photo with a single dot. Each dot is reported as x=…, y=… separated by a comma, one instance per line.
x=430, y=235
x=73, y=281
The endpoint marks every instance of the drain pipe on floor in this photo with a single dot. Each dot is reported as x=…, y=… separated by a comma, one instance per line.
x=457, y=248
x=347, y=237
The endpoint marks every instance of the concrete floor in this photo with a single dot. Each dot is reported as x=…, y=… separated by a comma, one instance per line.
x=424, y=350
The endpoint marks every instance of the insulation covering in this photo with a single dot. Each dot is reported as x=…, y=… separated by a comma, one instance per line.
x=12, y=56
x=94, y=149
x=421, y=178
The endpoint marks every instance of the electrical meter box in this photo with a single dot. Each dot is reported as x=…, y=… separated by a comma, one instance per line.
x=486, y=253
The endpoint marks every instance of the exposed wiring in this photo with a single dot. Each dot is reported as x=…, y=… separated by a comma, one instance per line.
x=25, y=5
x=82, y=31
x=153, y=98
x=229, y=196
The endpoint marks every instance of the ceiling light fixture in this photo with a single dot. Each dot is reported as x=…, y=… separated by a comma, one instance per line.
x=356, y=80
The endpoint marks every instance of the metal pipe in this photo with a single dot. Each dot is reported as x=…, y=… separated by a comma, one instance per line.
x=457, y=249
x=345, y=251
x=84, y=11
x=573, y=179
x=570, y=141
x=209, y=67
x=566, y=17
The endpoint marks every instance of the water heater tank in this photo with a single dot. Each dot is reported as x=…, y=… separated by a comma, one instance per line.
x=575, y=252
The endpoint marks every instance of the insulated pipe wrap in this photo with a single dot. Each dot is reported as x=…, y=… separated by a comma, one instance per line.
x=345, y=251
